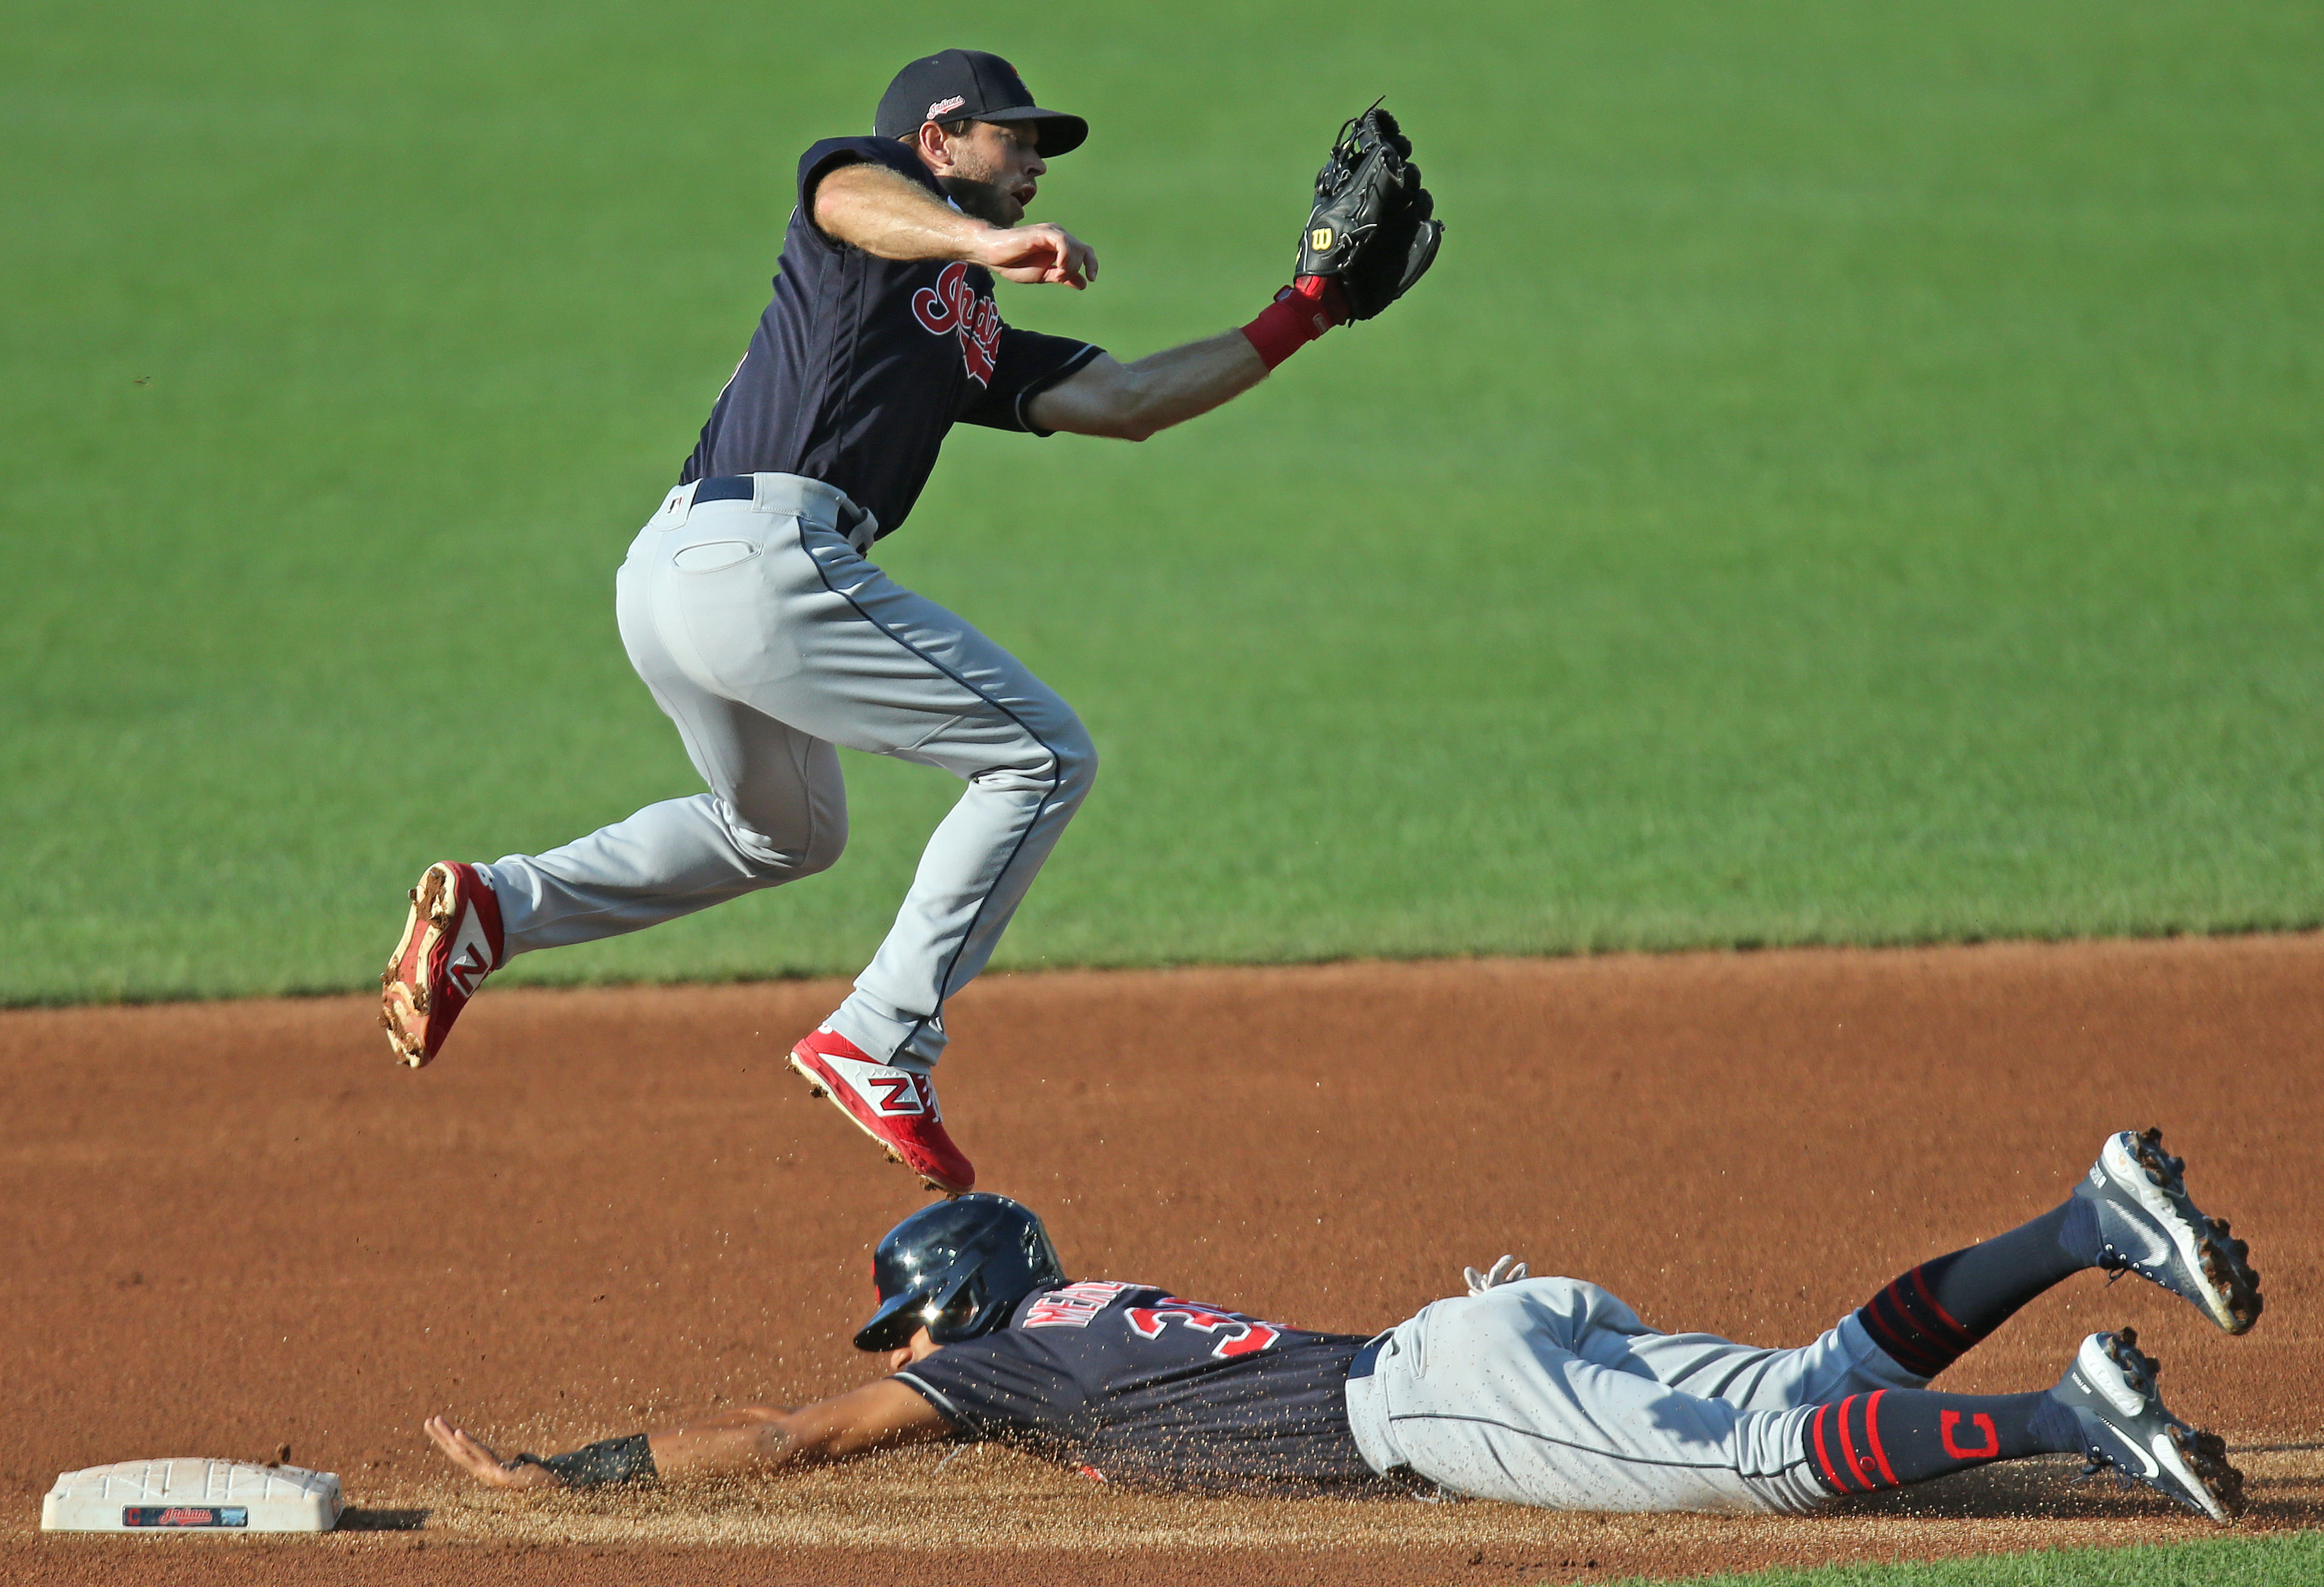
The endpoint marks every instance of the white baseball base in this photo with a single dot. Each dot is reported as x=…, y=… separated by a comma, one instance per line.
x=192, y=1495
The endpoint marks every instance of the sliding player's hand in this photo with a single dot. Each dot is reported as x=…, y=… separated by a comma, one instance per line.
x=1507, y=1270
x=482, y=1463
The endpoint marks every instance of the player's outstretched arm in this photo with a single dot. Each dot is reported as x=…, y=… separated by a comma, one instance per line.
x=884, y=1415
x=870, y=208
x=878, y=1415
x=1131, y=401
x=1371, y=234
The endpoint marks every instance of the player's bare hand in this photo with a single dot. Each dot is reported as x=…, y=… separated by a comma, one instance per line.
x=1507, y=1270
x=1040, y=255
x=480, y=1462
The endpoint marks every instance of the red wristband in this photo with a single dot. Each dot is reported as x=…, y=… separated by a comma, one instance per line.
x=1300, y=313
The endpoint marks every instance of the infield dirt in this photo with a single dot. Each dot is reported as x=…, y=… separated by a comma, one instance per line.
x=238, y=1225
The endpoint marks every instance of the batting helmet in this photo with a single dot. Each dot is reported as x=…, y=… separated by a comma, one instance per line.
x=956, y=1268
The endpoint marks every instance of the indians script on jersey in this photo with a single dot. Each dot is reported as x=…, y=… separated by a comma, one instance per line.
x=955, y=306
x=1135, y=1383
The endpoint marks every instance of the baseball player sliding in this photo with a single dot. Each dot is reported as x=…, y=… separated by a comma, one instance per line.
x=1542, y=1391
x=750, y=607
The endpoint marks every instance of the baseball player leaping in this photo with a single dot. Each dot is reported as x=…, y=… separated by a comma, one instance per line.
x=750, y=607
x=1543, y=1391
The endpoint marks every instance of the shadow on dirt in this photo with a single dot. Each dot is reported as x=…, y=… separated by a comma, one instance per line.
x=382, y=1520
x=2053, y=1488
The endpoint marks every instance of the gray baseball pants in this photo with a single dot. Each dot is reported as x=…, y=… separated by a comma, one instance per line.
x=1551, y=1393
x=766, y=635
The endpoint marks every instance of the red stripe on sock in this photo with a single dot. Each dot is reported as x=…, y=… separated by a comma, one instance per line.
x=1872, y=1435
x=1901, y=1337
x=1848, y=1444
x=1829, y=1475
x=1922, y=1285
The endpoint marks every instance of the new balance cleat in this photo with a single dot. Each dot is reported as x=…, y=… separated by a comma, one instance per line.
x=2110, y=1390
x=451, y=942
x=2148, y=1225
x=896, y=1107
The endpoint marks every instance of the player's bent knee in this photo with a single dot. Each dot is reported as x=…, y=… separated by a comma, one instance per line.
x=1073, y=758
x=1059, y=765
x=822, y=853
x=1076, y=767
x=772, y=862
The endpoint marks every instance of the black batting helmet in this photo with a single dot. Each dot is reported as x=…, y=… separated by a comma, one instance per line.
x=956, y=1268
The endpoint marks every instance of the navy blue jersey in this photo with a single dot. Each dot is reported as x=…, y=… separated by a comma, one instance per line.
x=861, y=364
x=1136, y=1384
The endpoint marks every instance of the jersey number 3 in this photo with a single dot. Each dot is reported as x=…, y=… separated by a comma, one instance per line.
x=1244, y=1336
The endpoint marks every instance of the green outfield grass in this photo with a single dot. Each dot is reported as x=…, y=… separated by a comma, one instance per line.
x=2240, y=1562
x=1853, y=477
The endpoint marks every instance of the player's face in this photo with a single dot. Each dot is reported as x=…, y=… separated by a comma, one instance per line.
x=920, y=1348
x=1005, y=159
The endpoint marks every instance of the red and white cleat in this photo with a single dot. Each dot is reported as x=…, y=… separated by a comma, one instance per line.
x=896, y=1107
x=451, y=942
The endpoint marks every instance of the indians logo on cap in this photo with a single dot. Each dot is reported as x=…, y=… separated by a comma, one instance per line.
x=942, y=106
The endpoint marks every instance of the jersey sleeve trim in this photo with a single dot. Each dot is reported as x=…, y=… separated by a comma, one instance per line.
x=951, y=1412
x=1040, y=383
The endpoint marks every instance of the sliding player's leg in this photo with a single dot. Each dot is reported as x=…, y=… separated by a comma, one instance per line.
x=1538, y=1393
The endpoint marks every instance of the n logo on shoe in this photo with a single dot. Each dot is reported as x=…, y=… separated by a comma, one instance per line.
x=471, y=959
x=898, y=1094
x=466, y=971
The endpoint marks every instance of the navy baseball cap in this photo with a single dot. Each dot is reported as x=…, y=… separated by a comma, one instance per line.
x=969, y=84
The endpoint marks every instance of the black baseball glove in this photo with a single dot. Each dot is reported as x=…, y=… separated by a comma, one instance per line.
x=1374, y=229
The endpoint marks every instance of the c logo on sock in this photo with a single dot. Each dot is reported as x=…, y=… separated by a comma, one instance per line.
x=1947, y=1419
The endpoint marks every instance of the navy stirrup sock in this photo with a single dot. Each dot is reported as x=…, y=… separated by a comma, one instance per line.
x=1893, y=1436
x=1926, y=1319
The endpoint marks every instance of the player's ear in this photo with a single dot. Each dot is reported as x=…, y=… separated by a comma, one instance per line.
x=934, y=147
